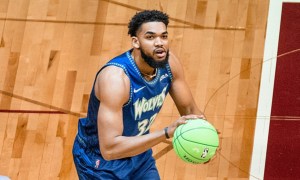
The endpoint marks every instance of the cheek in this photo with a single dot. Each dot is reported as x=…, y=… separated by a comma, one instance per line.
x=146, y=47
x=147, y=44
x=166, y=43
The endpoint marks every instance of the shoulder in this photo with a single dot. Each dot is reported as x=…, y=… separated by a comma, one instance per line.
x=111, y=73
x=175, y=65
x=111, y=82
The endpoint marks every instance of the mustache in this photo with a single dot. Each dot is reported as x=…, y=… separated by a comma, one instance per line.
x=151, y=62
x=162, y=49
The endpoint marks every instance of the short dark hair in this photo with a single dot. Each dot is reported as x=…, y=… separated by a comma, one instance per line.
x=146, y=16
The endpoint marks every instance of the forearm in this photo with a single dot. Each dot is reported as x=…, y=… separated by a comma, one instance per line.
x=191, y=109
x=123, y=146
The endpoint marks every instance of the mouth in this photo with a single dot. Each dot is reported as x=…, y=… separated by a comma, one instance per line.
x=160, y=52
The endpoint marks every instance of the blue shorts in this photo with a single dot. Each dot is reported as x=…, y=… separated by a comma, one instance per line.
x=90, y=165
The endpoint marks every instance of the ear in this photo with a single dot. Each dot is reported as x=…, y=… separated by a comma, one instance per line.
x=135, y=42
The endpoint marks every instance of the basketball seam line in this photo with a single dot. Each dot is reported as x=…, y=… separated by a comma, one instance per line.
x=194, y=141
x=190, y=154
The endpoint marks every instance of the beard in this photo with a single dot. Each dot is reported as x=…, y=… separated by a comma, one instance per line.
x=152, y=62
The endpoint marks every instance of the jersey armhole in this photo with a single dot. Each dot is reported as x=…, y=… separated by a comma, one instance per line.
x=127, y=74
x=169, y=71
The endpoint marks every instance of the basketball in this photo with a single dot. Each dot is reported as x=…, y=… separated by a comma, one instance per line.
x=196, y=141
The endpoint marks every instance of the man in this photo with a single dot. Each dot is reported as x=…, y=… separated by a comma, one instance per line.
x=113, y=141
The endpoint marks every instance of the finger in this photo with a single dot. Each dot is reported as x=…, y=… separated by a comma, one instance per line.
x=199, y=116
x=207, y=161
x=191, y=116
x=202, y=116
x=178, y=122
x=181, y=121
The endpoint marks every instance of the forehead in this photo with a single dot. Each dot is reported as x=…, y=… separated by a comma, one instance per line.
x=155, y=27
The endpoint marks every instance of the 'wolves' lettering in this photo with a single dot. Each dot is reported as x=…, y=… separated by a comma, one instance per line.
x=144, y=105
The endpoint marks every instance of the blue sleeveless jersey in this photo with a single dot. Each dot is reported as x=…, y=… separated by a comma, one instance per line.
x=146, y=100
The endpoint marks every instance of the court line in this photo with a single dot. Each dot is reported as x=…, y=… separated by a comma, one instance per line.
x=163, y=152
x=190, y=24
x=245, y=70
x=187, y=24
x=251, y=173
x=41, y=104
x=30, y=111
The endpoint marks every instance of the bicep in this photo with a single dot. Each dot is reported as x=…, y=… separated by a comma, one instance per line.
x=182, y=96
x=113, y=92
x=180, y=91
x=109, y=125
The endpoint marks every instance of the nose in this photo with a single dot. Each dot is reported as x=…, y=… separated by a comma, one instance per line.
x=158, y=42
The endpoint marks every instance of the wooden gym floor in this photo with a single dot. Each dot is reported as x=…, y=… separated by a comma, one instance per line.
x=49, y=54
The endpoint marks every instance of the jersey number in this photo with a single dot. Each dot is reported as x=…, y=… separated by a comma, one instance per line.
x=145, y=124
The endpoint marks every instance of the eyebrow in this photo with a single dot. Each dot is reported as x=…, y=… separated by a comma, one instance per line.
x=150, y=32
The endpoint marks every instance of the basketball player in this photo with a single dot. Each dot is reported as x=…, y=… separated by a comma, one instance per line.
x=113, y=141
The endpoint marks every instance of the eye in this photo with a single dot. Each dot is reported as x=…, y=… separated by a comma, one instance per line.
x=165, y=36
x=149, y=37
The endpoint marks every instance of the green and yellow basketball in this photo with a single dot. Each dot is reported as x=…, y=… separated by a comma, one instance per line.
x=196, y=141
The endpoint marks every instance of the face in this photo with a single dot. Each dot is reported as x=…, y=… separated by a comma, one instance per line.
x=152, y=41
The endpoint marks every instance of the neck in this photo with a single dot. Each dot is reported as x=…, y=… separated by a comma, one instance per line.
x=150, y=75
x=145, y=69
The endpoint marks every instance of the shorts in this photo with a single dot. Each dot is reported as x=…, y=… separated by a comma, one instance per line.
x=90, y=165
